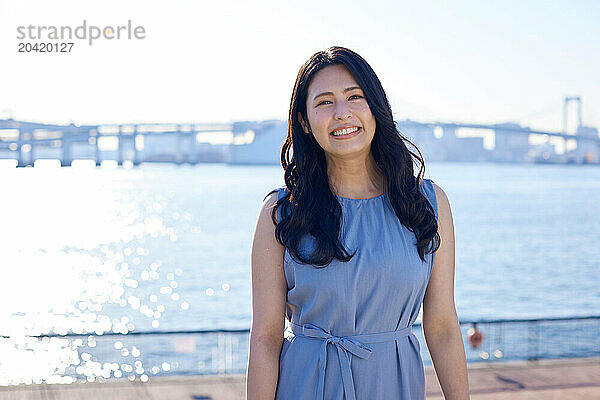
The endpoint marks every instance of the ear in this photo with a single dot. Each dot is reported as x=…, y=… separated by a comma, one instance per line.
x=304, y=124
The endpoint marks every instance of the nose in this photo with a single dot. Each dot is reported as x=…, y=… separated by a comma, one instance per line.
x=342, y=111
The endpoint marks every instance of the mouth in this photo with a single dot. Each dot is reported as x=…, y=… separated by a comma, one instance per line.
x=346, y=132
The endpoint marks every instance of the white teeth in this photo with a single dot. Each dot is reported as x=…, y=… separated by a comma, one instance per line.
x=345, y=131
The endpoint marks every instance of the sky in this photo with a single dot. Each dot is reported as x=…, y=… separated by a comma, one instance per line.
x=224, y=61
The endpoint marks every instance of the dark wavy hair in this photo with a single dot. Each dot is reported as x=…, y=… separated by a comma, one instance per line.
x=310, y=206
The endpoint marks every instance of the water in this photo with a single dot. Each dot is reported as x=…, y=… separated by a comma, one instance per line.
x=167, y=247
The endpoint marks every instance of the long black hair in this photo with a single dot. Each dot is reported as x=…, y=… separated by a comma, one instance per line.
x=310, y=207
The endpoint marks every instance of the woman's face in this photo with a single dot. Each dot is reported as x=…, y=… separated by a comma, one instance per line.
x=335, y=102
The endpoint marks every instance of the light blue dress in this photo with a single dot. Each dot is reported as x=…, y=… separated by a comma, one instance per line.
x=348, y=332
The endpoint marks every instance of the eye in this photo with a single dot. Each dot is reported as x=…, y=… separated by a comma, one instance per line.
x=354, y=95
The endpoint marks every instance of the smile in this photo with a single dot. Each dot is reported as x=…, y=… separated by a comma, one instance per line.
x=346, y=131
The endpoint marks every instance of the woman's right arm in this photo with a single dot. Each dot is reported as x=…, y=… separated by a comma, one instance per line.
x=269, y=292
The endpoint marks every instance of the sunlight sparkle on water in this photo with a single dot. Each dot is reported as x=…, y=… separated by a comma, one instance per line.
x=73, y=253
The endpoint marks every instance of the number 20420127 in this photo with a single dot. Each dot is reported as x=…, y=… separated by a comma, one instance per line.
x=45, y=47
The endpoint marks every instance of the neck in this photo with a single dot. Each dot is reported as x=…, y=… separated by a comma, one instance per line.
x=355, y=178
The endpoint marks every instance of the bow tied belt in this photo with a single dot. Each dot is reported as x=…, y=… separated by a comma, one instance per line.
x=345, y=345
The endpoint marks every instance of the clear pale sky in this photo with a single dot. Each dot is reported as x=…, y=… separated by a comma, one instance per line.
x=221, y=61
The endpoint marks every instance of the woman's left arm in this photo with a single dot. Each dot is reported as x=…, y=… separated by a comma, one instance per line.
x=440, y=322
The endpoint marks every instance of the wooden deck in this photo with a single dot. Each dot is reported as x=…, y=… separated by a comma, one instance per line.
x=563, y=379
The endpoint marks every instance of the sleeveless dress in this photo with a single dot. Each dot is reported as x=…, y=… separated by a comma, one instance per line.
x=348, y=326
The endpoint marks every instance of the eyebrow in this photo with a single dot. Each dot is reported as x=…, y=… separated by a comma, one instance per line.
x=331, y=93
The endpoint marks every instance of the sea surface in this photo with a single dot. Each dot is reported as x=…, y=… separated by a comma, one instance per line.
x=163, y=247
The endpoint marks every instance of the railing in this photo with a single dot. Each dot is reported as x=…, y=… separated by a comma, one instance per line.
x=534, y=339
x=185, y=352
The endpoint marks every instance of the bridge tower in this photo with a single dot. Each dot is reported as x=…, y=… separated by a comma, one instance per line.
x=569, y=99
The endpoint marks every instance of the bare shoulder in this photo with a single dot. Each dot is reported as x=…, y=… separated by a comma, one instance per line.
x=269, y=203
x=271, y=198
x=443, y=204
x=265, y=226
x=439, y=194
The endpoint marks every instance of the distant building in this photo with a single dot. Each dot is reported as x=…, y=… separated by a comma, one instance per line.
x=423, y=137
x=544, y=153
x=587, y=151
x=257, y=142
x=457, y=148
x=471, y=149
x=510, y=144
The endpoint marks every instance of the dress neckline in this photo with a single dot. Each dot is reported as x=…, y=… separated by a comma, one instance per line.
x=361, y=200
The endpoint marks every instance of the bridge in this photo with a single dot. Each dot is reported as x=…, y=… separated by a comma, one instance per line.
x=29, y=141
x=252, y=142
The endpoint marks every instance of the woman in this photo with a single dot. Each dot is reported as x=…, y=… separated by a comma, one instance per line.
x=347, y=252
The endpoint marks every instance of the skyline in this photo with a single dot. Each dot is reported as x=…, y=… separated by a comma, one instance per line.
x=231, y=61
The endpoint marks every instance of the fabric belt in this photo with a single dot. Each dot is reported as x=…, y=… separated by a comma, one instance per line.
x=345, y=345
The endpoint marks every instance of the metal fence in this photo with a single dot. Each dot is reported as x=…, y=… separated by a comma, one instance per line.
x=140, y=355
x=533, y=339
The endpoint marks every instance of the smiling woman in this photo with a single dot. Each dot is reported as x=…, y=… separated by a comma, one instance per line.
x=347, y=250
